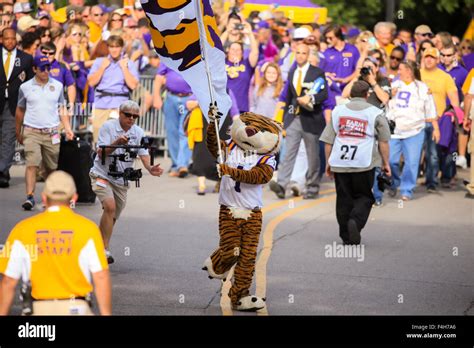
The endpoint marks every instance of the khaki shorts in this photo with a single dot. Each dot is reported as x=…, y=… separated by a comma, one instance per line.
x=38, y=146
x=99, y=117
x=61, y=307
x=117, y=192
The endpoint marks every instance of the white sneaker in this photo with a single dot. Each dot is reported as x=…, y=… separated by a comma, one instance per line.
x=249, y=304
x=461, y=162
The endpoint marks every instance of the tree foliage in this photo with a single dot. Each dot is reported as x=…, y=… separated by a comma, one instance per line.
x=450, y=15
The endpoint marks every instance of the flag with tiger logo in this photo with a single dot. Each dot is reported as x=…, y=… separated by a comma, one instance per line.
x=174, y=26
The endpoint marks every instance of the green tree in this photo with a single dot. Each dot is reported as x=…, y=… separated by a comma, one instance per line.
x=449, y=15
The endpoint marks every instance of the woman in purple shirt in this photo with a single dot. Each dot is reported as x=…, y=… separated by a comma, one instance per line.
x=240, y=70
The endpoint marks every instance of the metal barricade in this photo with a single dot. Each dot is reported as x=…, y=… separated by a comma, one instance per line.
x=151, y=121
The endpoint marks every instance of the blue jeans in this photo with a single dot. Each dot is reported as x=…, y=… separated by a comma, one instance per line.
x=175, y=111
x=431, y=158
x=411, y=149
x=378, y=195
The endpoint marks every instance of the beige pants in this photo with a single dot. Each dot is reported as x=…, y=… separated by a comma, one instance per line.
x=111, y=190
x=61, y=307
x=39, y=146
x=99, y=117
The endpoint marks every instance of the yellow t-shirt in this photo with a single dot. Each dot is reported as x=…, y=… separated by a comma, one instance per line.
x=95, y=32
x=59, y=15
x=467, y=84
x=440, y=84
x=388, y=49
x=57, y=250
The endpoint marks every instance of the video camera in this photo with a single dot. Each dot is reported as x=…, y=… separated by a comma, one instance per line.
x=383, y=181
x=129, y=174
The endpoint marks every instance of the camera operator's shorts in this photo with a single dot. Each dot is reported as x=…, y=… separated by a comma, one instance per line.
x=105, y=189
x=39, y=147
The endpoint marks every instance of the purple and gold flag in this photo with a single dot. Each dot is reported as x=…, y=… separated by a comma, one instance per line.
x=174, y=26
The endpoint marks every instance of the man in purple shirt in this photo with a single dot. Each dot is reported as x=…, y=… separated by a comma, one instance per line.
x=174, y=108
x=60, y=72
x=459, y=74
x=450, y=65
x=340, y=58
x=113, y=78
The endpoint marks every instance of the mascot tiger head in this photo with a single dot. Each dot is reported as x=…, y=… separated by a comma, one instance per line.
x=256, y=133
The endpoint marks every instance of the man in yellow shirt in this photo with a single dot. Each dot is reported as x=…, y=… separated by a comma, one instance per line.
x=442, y=86
x=384, y=33
x=57, y=254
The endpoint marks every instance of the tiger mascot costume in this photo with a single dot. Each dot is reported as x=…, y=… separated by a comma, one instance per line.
x=249, y=162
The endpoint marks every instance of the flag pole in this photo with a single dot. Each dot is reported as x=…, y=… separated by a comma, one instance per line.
x=202, y=32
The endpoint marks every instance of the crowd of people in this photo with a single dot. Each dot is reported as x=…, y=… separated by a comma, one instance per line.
x=89, y=60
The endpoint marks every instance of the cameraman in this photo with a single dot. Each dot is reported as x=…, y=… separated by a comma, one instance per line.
x=380, y=91
x=111, y=191
x=379, y=96
x=352, y=153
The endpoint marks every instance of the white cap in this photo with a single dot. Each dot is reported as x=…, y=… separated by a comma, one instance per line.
x=301, y=33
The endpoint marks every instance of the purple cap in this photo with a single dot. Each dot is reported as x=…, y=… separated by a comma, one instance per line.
x=353, y=32
x=104, y=8
x=41, y=61
x=263, y=25
x=42, y=14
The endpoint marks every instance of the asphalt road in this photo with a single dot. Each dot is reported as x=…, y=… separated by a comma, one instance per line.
x=417, y=257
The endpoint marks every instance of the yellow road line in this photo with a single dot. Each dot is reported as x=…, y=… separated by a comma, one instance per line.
x=261, y=267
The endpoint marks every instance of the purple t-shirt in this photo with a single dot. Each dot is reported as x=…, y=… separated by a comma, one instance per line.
x=459, y=75
x=239, y=76
x=342, y=63
x=61, y=73
x=174, y=81
x=469, y=61
x=112, y=81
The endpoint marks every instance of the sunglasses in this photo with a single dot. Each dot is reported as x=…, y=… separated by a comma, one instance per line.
x=430, y=35
x=117, y=20
x=76, y=34
x=398, y=59
x=98, y=14
x=46, y=35
x=446, y=55
x=48, y=53
x=465, y=47
x=129, y=115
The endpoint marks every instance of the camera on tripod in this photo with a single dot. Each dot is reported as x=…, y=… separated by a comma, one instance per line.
x=128, y=156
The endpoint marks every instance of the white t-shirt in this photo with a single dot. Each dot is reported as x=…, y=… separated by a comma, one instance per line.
x=238, y=194
x=410, y=107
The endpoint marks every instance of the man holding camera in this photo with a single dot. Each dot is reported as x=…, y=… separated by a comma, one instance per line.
x=112, y=190
x=352, y=155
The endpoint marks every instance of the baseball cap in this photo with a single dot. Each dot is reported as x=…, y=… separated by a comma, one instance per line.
x=301, y=33
x=42, y=14
x=423, y=29
x=18, y=7
x=120, y=11
x=432, y=51
x=26, y=22
x=40, y=61
x=105, y=9
x=138, y=5
x=263, y=25
x=353, y=32
x=59, y=186
x=26, y=7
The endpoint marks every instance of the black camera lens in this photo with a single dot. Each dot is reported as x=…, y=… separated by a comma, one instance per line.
x=365, y=71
